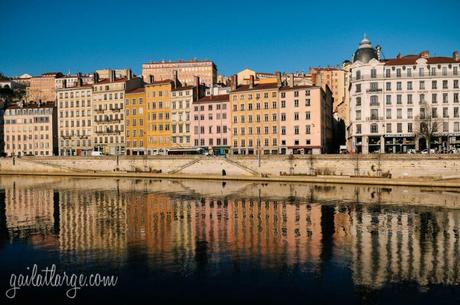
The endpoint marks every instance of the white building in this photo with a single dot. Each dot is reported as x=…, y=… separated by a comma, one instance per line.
x=390, y=99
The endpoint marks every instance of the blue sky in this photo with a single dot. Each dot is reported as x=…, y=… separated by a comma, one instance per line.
x=47, y=35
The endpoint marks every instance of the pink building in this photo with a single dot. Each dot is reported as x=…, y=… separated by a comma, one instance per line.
x=211, y=123
x=306, y=119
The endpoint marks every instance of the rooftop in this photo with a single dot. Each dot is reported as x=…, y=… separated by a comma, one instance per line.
x=213, y=98
x=136, y=90
x=257, y=87
x=411, y=59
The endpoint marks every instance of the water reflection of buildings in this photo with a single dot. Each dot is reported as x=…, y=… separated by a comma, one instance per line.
x=93, y=221
x=264, y=231
x=186, y=226
x=396, y=245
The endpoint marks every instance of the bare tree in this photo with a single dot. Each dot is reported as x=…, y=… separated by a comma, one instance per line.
x=427, y=123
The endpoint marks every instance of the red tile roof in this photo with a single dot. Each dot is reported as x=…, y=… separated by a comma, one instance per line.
x=284, y=88
x=257, y=87
x=136, y=90
x=184, y=88
x=411, y=59
x=213, y=98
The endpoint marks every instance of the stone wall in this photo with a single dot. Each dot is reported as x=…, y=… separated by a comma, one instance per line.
x=395, y=166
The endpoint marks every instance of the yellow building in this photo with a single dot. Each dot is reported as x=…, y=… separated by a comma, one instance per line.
x=136, y=121
x=158, y=125
x=254, y=117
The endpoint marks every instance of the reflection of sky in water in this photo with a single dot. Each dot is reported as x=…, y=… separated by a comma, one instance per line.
x=353, y=240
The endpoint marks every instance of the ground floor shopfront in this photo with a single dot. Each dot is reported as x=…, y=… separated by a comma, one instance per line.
x=404, y=143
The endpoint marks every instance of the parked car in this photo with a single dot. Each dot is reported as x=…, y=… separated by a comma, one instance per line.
x=411, y=151
x=95, y=153
x=425, y=151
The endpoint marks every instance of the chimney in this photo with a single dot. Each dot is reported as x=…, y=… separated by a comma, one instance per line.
x=425, y=54
x=234, y=82
x=151, y=79
x=455, y=55
x=111, y=75
x=291, y=80
x=197, y=86
x=175, y=78
x=278, y=78
x=399, y=55
x=95, y=77
x=64, y=83
x=129, y=74
x=79, y=80
x=251, y=82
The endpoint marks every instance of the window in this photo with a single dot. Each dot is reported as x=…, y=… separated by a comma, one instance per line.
x=358, y=88
x=374, y=114
x=358, y=128
x=422, y=85
x=399, y=127
x=388, y=114
x=409, y=127
x=358, y=101
x=373, y=73
x=409, y=99
x=358, y=115
x=409, y=85
x=374, y=128
x=434, y=84
x=307, y=129
x=409, y=113
x=388, y=99
x=398, y=86
x=388, y=86
x=388, y=127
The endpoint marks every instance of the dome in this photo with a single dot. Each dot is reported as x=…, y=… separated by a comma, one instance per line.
x=365, y=51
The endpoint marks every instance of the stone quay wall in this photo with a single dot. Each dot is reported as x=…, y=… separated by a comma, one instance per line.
x=390, y=166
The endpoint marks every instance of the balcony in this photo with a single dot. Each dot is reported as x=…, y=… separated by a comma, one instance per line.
x=115, y=132
x=108, y=121
x=374, y=90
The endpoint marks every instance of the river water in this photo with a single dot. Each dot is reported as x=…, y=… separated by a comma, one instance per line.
x=188, y=242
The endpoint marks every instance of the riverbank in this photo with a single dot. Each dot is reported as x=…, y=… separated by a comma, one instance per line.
x=374, y=181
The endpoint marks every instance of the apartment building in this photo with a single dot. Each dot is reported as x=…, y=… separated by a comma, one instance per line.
x=136, y=121
x=306, y=122
x=75, y=118
x=30, y=129
x=181, y=108
x=42, y=88
x=211, y=123
x=336, y=79
x=206, y=70
x=72, y=80
x=398, y=104
x=108, y=109
x=158, y=128
x=255, y=117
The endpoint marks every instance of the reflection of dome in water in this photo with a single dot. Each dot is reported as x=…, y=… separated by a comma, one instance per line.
x=365, y=51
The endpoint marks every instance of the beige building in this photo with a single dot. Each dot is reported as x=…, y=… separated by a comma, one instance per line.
x=72, y=80
x=42, y=88
x=30, y=129
x=305, y=119
x=181, y=108
x=75, y=126
x=108, y=103
x=206, y=70
x=336, y=80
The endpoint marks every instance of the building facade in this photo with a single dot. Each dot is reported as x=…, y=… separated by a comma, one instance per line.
x=72, y=80
x=206, y=70
x=75, y=119
x=30, y=129
x=181, y=109
x=306, y=125
x=255, y=117
x=42, y=88
x=136, y=121
x=108, y=106
x=158, y=130
x=211, y=124
x=403, y=103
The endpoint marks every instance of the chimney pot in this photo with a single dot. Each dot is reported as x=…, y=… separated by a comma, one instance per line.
x=291, y=80
x=251, y=81
x=151, y=79
x=95, y=77
x=425, y=54
x=455, y=55
x=278, y=78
